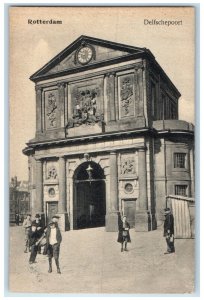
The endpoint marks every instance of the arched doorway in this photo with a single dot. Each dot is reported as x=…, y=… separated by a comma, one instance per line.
x=89, y=196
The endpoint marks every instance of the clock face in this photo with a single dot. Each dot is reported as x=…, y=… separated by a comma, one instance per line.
x=85, y=55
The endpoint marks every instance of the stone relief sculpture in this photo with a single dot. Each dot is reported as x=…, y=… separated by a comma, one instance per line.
x=128, y=166
x=51, y=110
x=85, y=108
x=126, y=93
x=52, y=173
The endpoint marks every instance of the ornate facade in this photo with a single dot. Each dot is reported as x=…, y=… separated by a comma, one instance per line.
x=108, y=138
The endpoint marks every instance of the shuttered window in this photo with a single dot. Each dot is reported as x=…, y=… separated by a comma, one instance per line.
x=179, y=160
x=181, y=190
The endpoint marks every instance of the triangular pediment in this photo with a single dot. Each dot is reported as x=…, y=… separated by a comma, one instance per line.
x=69, y=59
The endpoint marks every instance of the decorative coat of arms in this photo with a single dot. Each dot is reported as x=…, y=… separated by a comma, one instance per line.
x=85, y=108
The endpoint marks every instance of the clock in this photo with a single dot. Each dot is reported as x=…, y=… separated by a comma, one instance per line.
x=84, y=55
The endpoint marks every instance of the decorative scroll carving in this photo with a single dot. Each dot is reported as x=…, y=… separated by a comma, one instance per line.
x=85, y=108
x=52, y=173
x=128, y=166
x=126, y=96
x=51, y=109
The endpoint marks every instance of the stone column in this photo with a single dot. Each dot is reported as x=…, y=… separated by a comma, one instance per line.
x=111, y=97
x=62, y=212
x=38, y=109
x=142, y=217
x=192, y=173
x=112, y=215
x=38, y=206
x=61, y=90
x=142, y=170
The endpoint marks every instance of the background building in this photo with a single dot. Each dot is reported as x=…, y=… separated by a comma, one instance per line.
x=108, y=138
x=19, y=197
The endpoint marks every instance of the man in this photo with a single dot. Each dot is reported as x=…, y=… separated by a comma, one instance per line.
x=27, y=225
x=39, y=227
x=54, y=239
x=55, y=219
x=33, y=238
x=123, y=232
x=17, y=219
x=38, y=223
x=169, y=231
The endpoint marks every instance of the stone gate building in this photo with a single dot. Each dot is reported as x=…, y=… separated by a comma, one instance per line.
x=108, y=138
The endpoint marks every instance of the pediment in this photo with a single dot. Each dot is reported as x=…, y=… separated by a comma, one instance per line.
x=68, y=59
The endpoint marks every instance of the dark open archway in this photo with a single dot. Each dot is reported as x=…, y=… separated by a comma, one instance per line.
x=89, y=196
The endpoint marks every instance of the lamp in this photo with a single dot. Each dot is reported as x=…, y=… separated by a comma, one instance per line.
x=89, y=171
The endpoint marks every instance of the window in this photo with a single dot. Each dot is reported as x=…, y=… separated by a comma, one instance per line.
x=181, y=190
x=179, y=160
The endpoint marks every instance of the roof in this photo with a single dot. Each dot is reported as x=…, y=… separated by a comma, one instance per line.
x=123, y=52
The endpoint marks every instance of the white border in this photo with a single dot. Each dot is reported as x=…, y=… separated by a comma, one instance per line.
x=4, y=121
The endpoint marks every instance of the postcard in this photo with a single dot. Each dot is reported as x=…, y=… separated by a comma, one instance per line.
x=102, y=164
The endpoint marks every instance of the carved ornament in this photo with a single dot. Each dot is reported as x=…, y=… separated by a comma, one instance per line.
x=85, y=108
x=128, y=166
x=51, y=109
x=126, y=95
x=52, y=173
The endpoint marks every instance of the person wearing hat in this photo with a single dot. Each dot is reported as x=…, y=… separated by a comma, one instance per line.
x=123, y=234
x=27, y=225
x=33, y=242
x=54, y=239
x=169, y=231
x=38, y=223
x=55, y=219
x=40, y=228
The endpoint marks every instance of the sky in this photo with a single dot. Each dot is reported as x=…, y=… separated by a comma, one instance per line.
x=31, y=46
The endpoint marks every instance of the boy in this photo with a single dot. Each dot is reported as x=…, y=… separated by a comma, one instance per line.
x=54, y=239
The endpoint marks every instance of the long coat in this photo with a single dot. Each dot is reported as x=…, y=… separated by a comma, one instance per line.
x=169, y=224
x=120, y=233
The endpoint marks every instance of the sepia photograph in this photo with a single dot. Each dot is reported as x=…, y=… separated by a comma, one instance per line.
x=102, y=150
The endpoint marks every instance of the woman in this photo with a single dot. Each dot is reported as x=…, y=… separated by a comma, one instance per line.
x=123, y=234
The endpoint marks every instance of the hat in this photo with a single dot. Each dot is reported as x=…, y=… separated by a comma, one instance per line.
x=57, y=217
x=37, y=216
x=52, y=223
x=167, y=210
x=29, y=215
x=34, y=224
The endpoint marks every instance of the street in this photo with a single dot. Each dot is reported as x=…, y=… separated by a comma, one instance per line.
x=91, y=262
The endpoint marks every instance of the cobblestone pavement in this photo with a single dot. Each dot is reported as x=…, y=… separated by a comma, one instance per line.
x=91, y=262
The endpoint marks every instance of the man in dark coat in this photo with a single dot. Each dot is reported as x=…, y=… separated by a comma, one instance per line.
x=17, y=219
x=40, y=228
x=169, y=231
x=123, y=234
x=33, y=238
x=54, y=239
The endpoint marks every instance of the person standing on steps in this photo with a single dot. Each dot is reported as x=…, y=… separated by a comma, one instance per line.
x=123, y=234
x=54, y=239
